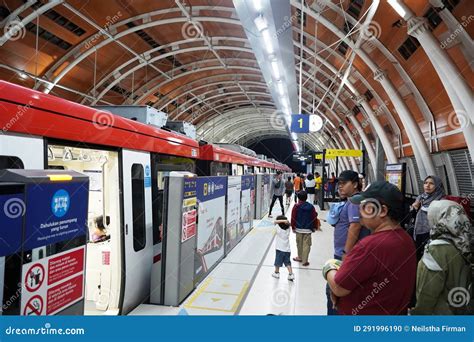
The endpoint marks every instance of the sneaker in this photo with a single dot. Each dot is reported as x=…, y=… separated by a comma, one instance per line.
x=270, y=215
x=306, y=264
x=291, y=277
x=276, y=275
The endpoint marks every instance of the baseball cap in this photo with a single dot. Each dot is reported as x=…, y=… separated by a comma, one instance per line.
x=384, y=192
x=348, y=176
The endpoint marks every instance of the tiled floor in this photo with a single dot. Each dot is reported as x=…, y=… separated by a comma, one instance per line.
x=242, y=283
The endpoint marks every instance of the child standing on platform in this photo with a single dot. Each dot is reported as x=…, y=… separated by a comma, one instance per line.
x=282, y=246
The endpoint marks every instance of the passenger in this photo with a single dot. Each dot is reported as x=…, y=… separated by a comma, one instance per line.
x=100, y=232
x=433, y=190
x=282, y=246
x=332, y=184
x=304, y=221
x=377, y=277
x=318, y=187
x=288, y=190
x=278, y=188
x=347, y=229
x=310, y=186
x=298, y=186
x=443, y=282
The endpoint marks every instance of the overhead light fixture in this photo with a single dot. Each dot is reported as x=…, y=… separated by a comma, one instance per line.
x=22, y=75
x=267, y=41
x=281, y=88
x=294, y=136
x=258, y=5
x=398, y=8
x=261, y=23
x=275, y=69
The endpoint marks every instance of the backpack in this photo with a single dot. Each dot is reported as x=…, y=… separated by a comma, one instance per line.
x=335, y=210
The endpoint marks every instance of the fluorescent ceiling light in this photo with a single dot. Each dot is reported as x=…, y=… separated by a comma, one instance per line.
x=258, y=5
x=275, y=69
x=294, y=136
x=281, y=88
x=267, y=41
x=397, y=7
x=261, y=23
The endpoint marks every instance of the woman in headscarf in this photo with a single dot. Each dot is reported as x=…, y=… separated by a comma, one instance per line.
x=443, y=284
x=433, y=190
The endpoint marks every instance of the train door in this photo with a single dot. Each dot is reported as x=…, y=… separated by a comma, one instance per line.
x=161, y=167
x=104, y=255
x=137, y=215
x=17, y=152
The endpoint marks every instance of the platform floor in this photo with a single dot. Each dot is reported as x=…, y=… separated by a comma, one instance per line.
x=242, y=283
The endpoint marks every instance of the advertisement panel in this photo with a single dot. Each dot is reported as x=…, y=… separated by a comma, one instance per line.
x=211, y=192
x=188, y=227
x=59, y=213
x=233, y=212
x=52, y=284
x=247, y=203
x=266, y=194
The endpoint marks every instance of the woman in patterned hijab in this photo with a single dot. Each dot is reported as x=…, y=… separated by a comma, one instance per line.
x=433, y=190
x=443, y=283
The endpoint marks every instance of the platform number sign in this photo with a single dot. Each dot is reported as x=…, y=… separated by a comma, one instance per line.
x=302, y=123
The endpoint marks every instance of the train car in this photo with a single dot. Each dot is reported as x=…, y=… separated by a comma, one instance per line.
x=126, y=162
x=219, y=161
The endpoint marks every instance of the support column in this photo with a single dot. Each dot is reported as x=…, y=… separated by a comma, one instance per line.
x=456, y=86
x=365, y=139
x=418, y=143
x=380, y=167
x=386, y=144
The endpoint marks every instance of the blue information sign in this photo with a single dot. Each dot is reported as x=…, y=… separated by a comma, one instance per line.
x=147, y=176
x=300, y=123
x=211, y=187
x=248, y=182
x=12, y=210
x=55, y=212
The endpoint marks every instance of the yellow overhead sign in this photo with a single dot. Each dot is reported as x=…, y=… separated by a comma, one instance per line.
x=343, y=153
x=320, y=156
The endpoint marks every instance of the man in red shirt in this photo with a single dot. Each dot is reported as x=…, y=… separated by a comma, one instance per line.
x=378, y=275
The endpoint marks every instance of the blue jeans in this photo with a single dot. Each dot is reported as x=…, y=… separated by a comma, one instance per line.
x=331, y=311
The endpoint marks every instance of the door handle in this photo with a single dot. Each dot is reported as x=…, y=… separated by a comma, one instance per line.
x=126, y=229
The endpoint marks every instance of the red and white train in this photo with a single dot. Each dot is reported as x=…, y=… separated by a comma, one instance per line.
x=40, y=131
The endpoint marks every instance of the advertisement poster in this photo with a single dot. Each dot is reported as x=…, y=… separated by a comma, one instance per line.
x=233, y=212
x=266, y=194
x=52, y=284
x=394, y=174
x=248, y=194
x=211, y=192
x=59, y=213
x=188, y=225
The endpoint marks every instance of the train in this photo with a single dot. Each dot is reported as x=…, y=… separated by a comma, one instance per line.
x=41, y=131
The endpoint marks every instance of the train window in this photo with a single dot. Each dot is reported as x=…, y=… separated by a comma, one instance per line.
x=9, y=162
x=138, y=207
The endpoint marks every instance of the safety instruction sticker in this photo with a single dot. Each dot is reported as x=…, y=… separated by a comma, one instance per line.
x=51, y=284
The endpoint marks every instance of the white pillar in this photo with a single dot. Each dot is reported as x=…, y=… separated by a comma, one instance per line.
x=365, y=139
x=456, y=86
x=346, y=146
x=418, y=143
x=387, y=145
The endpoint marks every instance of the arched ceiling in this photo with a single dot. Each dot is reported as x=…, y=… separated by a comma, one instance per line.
x=194, y=61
